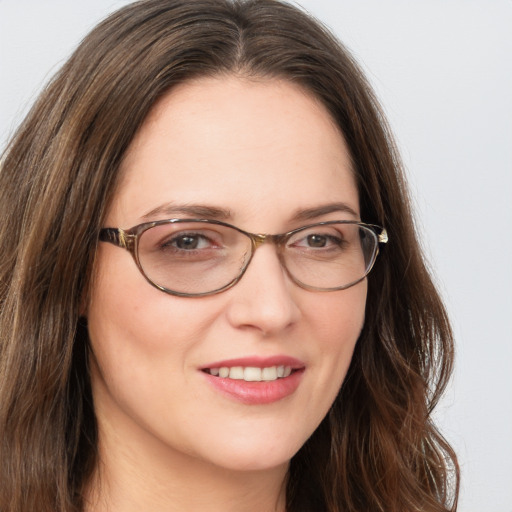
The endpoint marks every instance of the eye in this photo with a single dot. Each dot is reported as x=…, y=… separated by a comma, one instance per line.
x=189, y=241
x=317, y=240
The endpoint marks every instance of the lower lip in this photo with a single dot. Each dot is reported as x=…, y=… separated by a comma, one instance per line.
x=257, y=393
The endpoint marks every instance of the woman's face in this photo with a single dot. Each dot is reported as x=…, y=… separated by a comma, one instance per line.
x=269, y=157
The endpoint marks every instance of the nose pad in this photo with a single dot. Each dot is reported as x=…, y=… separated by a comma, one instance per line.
x=264, y=299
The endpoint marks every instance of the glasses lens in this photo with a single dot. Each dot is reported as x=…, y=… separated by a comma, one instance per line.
x=193, y=257
x=331, y=256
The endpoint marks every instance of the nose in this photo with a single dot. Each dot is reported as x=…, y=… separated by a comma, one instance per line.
x=263, y=300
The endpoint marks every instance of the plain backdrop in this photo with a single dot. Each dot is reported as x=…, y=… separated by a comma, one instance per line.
x=443, y=71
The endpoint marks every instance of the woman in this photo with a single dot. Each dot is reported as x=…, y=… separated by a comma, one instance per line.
x=156, y=355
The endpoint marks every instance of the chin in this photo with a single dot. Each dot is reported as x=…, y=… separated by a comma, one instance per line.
x=246, y=454
x=254, y=462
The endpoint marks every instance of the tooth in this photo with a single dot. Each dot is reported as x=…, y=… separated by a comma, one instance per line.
x=214, y=371
x=224, y=372
x=252, y=374
x=237, y=372
x=287, y=371
x=280, y=371
x=269, y=373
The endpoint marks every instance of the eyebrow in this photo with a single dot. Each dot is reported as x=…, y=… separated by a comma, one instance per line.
x=201, y=211
x=193, y=210
x=319, y=211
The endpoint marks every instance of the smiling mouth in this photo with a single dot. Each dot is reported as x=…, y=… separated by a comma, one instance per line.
x=251, y=373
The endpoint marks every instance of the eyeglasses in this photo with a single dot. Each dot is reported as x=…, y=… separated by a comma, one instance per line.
x=197, y=257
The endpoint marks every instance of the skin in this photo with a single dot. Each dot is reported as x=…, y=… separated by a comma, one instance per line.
x=168, y=440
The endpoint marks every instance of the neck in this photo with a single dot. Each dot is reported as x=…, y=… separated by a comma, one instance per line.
x=138, y=475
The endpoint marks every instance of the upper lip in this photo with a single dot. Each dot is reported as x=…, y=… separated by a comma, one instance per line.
x=258, y=362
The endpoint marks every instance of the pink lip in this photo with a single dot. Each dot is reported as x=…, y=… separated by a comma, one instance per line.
x=258, y=362
x=257, y=393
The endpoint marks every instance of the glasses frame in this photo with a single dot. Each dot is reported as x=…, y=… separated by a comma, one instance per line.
x=129, y=239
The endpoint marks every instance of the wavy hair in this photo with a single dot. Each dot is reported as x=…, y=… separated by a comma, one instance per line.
x=378, y=448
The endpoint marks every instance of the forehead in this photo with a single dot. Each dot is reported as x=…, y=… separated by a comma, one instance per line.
x=249, y=146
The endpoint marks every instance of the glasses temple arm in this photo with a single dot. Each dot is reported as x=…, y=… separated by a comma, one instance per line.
x=114, y=236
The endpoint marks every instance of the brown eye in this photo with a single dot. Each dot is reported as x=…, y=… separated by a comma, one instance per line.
x=316, y=241
x=186, y=242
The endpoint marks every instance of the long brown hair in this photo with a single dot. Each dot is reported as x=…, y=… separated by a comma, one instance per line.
x=377, y=449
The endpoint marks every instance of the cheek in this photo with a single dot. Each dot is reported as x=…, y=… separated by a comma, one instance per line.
x=338, y=317
x=337, y=320
x=142, y=341
x=127, y=314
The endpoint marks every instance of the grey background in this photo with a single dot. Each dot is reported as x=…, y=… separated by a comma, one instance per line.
x=443, y=71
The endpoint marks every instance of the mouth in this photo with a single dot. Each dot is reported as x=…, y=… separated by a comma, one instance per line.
x=256, y=380
x=251, y=373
